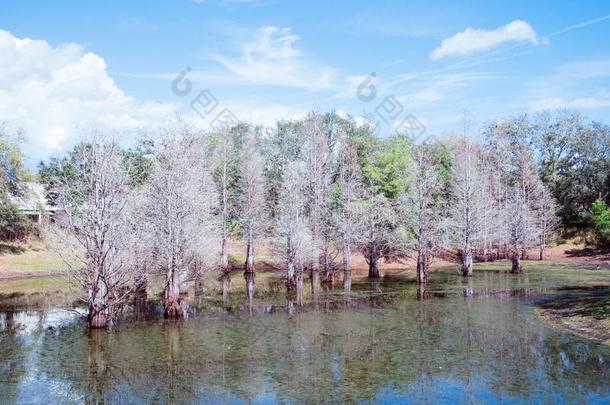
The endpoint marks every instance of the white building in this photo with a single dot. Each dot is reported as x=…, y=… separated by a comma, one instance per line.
x=33, y=203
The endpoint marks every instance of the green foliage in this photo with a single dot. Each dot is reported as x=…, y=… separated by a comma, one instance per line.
x=13, y=172
x=386, y=166
x=12, y=225
x=50, y=174
x=138, y=163
x=600, y=221
x=574, y=162
x=13, y=176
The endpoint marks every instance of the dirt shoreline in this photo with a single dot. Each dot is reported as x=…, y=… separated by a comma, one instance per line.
x=566, y=315
x=30, y=275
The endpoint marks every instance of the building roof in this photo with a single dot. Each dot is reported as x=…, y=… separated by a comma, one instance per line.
x=33, y=199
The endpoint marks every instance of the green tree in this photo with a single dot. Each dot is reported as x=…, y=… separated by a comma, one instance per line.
x=387, y=166
x=600, y=221
x=13, y=176
x=574, y=162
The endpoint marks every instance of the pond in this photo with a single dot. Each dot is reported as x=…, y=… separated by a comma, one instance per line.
x=475, y=341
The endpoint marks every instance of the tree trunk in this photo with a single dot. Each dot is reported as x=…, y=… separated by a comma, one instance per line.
x=291, y=276
x=98, y=315
x=347, y=280
x=140, y=295
x=299, y=287
x=175, y=306
x=516, y=268
x=422, y=268
x=422, y=294
x=467, y=263
x=347, y=271
x=224, y=255
x=373, y=266
x=328, y=270
x=198, y=285
x=315, y=280
x=542, y=251
x=250, y=253
x=315, y=265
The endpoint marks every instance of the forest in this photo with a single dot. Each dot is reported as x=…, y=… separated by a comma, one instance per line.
x=316, y=191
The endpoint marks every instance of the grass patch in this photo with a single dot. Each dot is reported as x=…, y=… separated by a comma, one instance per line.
x=585, y=312
x=28, y=258
x=36, y=292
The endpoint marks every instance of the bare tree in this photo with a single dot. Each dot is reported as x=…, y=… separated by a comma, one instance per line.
x=316, y=154
x=95, y=206
x=348, y=211
x=468, y=210
x=518, y=187
x=291, y=238
x=224, y=152
x=547, y=219
x=251, y=206
x=380, y=238
x=180, y=195
x=420, y=208
x=521, y=227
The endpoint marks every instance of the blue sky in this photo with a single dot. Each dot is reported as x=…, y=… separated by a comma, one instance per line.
x=111, y=63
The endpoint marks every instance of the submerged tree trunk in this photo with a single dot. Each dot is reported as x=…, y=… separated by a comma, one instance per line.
x=315, y=265
x=467, y=262
x=347, y=271
x=299, y=287
x=422, y=268
x=373, y=262
x=347, y=280
x=516, y=267
x=224, y=255
x=250, y=253
x=140, y=295
x=315, y=280
x=198, y=285
x=175, y=305
x=422, y=294
x=98, y=316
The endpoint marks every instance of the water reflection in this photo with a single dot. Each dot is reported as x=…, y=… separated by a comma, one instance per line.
x=487, y=347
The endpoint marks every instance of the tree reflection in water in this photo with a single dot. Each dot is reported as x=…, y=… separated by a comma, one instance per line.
x=386, y=345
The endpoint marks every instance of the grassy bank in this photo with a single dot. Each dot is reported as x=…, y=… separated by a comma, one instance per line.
x=18, y=260
x=585, y=312
x=577, y=297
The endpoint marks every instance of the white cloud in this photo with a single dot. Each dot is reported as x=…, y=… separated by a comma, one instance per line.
x=271, y=58
x=50, y=91
x=473, y=40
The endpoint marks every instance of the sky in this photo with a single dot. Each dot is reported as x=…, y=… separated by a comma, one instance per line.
x=127, y=67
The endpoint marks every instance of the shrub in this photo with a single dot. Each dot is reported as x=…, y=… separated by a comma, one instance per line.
x=600, y=221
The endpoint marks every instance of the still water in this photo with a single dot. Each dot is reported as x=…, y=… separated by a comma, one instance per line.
x=469, y=342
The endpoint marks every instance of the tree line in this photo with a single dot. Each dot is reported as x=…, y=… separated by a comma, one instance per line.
x=319, y=190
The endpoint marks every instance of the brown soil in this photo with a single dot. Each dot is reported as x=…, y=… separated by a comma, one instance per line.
x=569, y=252
x=584, y=256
